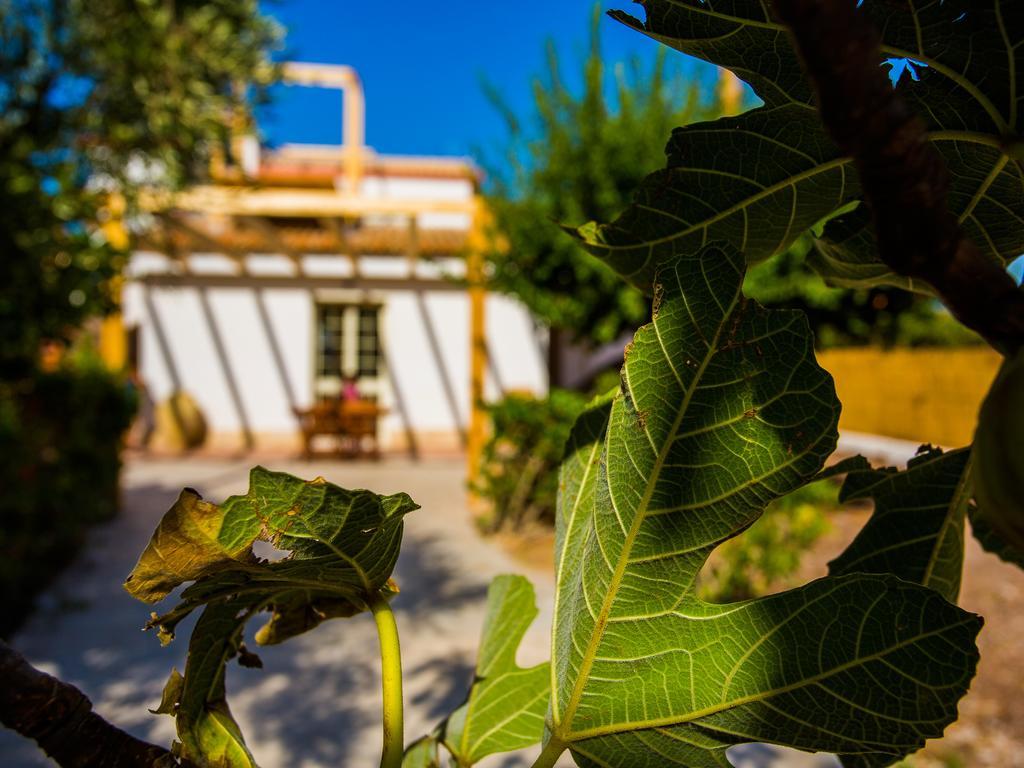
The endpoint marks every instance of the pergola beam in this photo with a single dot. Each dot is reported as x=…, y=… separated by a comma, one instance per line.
x=207, y=239
x=339, y=228
x=304, y=282
x=353, y=110
x=294, y=203
x=273, y=236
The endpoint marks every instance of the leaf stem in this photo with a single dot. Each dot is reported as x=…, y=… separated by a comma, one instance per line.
x=391, y=681
x=551, y=752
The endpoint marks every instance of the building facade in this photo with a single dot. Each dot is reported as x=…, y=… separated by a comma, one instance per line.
x=301, y=271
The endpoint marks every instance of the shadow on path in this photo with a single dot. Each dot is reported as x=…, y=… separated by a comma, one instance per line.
x=317, y=699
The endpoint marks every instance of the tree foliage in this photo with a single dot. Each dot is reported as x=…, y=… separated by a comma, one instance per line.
x=843, y=316
x=808, y=179
x=519, y=463
x=581, y=160
x=96, y=98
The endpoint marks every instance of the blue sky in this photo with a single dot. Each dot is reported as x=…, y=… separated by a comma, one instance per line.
x=422, y=63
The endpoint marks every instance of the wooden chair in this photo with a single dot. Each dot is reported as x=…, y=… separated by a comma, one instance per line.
x=359, y=427
x=324, y=418
x=353, y=424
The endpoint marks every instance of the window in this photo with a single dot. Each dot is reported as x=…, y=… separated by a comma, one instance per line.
x=331, y=336
x=368, y=354
x=348, y=344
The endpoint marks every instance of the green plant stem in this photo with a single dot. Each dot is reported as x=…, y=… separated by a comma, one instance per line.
x=551, y=752
x=391, y=682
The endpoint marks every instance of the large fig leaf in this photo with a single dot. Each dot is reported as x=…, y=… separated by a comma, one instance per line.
x=917, y=529
x=722, y=410
x=992, y=541
x=760, y=179
x=343, y=546
x=506, y=706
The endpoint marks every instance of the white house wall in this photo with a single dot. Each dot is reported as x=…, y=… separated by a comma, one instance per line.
x=189, y=357
x=426, y=389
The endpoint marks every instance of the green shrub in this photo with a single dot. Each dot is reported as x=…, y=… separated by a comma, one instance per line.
x=519, y=467
x=60, y=435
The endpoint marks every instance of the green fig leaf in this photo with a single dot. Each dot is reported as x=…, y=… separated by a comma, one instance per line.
x=171, y=695
x=917, y=529
x=506, y=706
x=722, y=410
x=760, y=179
x=845, y=255
x=757, y=181
x=342, y=548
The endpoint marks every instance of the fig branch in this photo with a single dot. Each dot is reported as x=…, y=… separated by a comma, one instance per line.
x=60, y=719
x=904, y=178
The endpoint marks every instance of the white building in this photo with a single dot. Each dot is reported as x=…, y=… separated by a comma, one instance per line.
x=258, y=293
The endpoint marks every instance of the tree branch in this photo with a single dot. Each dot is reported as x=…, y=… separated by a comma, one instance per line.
x=905, y=179
x=60, y=719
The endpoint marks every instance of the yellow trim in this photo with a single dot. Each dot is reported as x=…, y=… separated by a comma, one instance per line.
x=293, y=202
x=477, y=343
x=113, y=342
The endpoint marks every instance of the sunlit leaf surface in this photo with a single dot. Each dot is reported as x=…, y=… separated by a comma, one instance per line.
x=506, y=705
x=722, y=410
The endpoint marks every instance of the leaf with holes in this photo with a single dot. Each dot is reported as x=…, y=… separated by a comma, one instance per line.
x=760, y=179
x=343, y=546
x=722, y=410
x=917, y=529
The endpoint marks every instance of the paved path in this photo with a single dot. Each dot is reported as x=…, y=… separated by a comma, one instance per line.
x=315, y=703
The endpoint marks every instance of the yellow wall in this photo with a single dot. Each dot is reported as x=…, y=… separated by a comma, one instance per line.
x=931, y=395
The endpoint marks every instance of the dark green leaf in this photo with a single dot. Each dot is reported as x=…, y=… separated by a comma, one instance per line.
x=844, y=466
x=846, y=255
x=967, y=95
x=998, y=521
x=991, y=541
x=758, y=180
